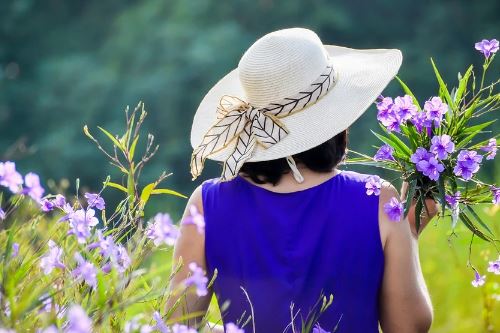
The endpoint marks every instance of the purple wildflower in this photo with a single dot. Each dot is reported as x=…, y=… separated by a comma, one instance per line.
x=478, y=279
x=105, y=244
x=490, y=148
x=442, y=146
x=9, y=177
x=453, y=200
x=59, y=201
x=52, y=259
x=95, y=200
x=487, y=47
x=394, y=209
x=133, y=326
x=421, y=154
x=121, y=261
x=435, y=109
x=384, y=153
x=2, y=214
x=373, y=185
x=48, y=304
x=15, y=250
x=160, y=324
x=420, y=121
x=162, y=230
x=195, y=218
x=318, y=329
x=78, y=321
x=384, y=107
x=405, y=108
x=197, y=279
x=69, y=212
x=179, y=328
x=232, y=328
x=47, y=205
x=430, y=168
x=85, y=271
x=495, y=191
x=467, y=164
x=494, y=267
x=81, y=223
x=33, y=187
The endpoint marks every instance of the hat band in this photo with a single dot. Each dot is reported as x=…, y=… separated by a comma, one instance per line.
x=239, y=120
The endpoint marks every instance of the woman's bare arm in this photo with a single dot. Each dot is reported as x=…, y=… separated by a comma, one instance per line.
x=189, y=247
x=405, y=302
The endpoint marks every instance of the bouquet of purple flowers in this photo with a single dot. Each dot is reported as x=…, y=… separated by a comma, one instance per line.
x=436, y=149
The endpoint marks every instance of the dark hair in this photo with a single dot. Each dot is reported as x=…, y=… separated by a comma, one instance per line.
x=322, y=158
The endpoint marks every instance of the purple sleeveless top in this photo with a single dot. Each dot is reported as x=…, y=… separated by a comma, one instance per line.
x=285, y=248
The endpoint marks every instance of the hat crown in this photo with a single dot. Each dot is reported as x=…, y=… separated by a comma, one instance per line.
x=280, y=65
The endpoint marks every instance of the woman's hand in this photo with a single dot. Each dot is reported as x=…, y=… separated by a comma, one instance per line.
x=430, y=210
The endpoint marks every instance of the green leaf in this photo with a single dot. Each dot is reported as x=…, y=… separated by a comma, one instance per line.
x=117, y=186
x=418, y=211
x=132, y=148
x=412, y=186
x=468, y=223
x=398, y=145
x=408, y=92
x=479, y=220
x=473, y=130
x=442, y=193
x=131, y=184
x=146, y=192
x=462, y=85
x=111, y=137
x=167, y=191
x=442, y=86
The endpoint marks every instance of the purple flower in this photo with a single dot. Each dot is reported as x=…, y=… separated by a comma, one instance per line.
x=388, y=116
x=373, y=185
x=453, y=200
x=48, y=304
x=467, y=164
x=15, y=250
x=162, y=230
x=384, y=107
x=478, y=279
x=78, y=321
x=2, y=214
x=232, y=328
x=160, y=324
x=47, y=205
x=133, y=326
x=420, y=121
x=490, y=148
x=431, y=168
x=487, y=47
x=197, y=279
x=405, y=108
x=195, y=218
x=33, y=187
x=105, y=244
x=95, y=200
x=52, y=259
x=81, y=223
x=59, y=201
x=69, y=212
x=441, y=146
x=495, y=191
x=494, y=267
x=319, y=329
x=384, y=153
x=9, y=177
x=394, y=209
x=421, y=154
x=85, y=271
x=179, y=328
x=120, y=260
x=435, y=109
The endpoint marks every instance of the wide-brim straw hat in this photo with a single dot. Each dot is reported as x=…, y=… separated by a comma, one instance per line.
x=290, y=93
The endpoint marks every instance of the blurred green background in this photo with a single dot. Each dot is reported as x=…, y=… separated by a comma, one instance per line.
x=65, y=63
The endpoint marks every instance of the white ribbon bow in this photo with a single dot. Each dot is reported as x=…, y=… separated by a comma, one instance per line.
x=251, y=126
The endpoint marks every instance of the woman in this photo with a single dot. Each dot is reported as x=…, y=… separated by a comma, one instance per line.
x=283, y=224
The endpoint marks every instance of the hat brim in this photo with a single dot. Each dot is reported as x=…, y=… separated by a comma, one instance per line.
x=360, y=77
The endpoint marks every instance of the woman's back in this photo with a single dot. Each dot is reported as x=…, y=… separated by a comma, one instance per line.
x=285, y=248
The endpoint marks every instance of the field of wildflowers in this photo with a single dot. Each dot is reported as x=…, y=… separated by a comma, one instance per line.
x=71, y=263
